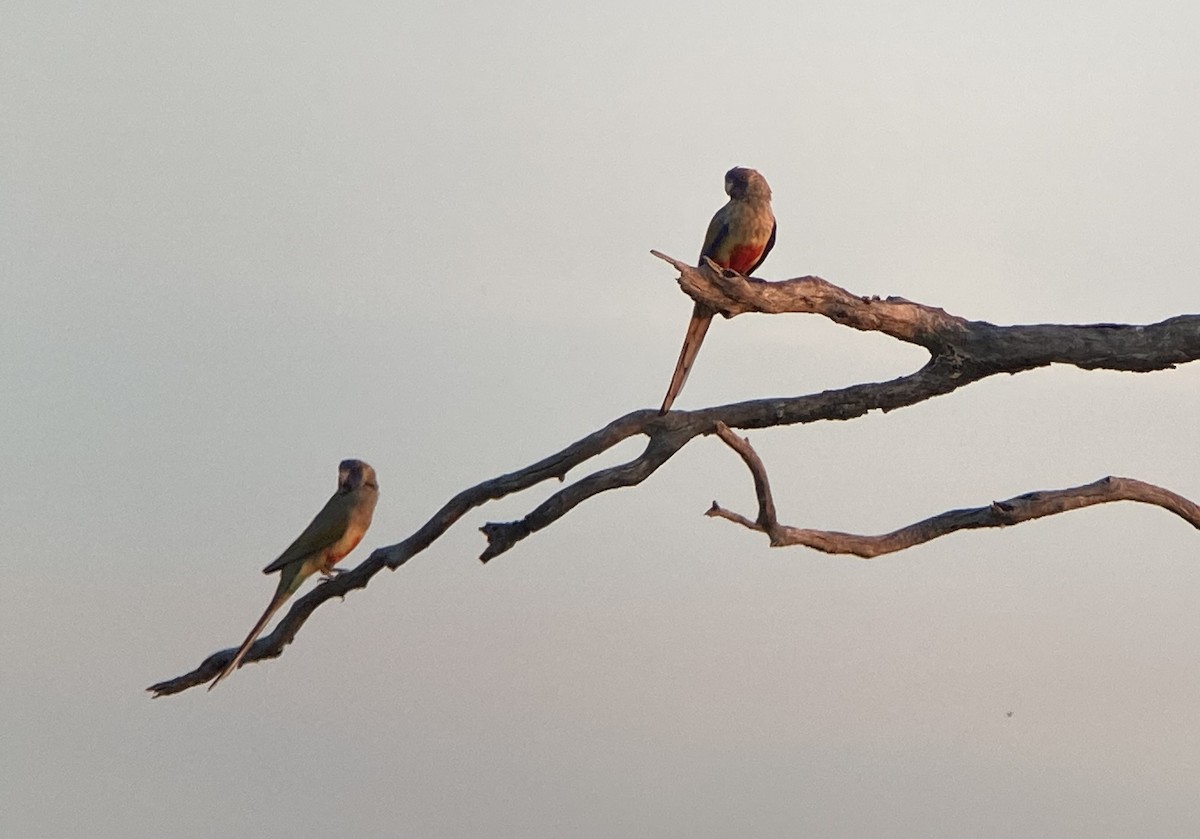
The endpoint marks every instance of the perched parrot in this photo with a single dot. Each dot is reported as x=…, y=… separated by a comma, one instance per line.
x=739, y=237
x=336, y=531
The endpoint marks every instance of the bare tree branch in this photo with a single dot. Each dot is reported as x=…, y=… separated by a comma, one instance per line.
x=1031, y=505
x=961, y=352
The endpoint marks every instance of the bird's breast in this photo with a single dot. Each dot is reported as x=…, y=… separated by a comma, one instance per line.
x=347, y=543
x=748, y=226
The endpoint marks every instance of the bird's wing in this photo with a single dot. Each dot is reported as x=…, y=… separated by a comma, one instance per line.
x=323, y=531
x=715, y=236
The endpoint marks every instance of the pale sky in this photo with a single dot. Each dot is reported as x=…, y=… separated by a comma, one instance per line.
x=242, y=241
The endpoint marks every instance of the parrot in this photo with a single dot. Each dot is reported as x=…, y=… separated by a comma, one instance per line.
x=335, y=532
x=739, y=237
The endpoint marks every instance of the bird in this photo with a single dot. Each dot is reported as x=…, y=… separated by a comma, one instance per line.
x=334, y=533
x=740, y=236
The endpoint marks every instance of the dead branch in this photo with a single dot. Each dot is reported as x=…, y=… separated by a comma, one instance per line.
x=961, y=352
x=1031, y=505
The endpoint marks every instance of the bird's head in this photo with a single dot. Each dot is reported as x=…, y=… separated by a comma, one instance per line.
x=353, y=474
x=741, y=182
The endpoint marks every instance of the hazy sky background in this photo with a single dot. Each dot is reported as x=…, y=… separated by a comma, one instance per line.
x=242, y=241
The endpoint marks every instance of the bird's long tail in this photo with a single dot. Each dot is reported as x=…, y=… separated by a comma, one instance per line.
x=701, y=317
x=281, y=596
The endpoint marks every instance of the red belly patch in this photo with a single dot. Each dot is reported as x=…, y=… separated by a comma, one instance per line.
x=744, y=257
x=332, y=558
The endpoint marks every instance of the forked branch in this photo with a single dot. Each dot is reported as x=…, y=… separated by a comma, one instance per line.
x=1031, y=505
x=961, y=352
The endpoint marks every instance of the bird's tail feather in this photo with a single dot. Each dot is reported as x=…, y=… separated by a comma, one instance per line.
x=701, y=317
x=281, y=597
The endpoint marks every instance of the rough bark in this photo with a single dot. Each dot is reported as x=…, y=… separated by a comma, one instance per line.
x=961, y=352
x=1025, y=507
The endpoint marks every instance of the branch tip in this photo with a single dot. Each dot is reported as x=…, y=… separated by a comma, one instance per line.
x=501, y=536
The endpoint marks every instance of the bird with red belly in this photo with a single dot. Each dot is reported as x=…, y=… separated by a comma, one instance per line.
x=739, y=237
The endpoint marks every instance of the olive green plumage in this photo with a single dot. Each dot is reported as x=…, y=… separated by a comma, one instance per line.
x=333, y=533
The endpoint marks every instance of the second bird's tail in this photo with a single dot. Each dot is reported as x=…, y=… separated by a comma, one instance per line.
x=281, y=597
x=697, y=327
